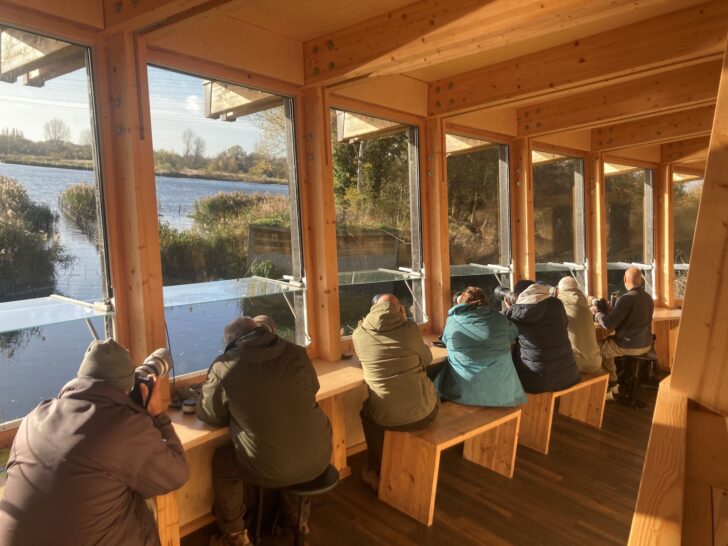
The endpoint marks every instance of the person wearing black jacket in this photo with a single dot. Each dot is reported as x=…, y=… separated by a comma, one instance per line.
x=543, y=356
x=631, y=320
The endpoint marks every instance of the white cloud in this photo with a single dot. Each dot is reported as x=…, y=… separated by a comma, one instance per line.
x=193, y=103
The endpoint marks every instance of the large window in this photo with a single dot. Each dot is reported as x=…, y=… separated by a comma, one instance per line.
x=376, y=190
x=52, y=266
x=558, y=203
x=686, y=190
x=478, y=213
x=629, y=224
x=228, y=211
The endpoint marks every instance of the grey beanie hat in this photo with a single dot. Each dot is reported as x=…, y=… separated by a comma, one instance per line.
x=110, y=362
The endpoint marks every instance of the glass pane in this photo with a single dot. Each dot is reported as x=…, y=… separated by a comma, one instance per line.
x=686, y=199
x=228, y=210
x=377, y=213
x=558, y=203
x=629, y=219
x=50, y=240
x=477, y=193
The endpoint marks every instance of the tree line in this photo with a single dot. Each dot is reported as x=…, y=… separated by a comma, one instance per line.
x=57, y=146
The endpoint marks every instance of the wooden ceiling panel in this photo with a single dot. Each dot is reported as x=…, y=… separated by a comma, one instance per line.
x=306, y=20
x=676, y=39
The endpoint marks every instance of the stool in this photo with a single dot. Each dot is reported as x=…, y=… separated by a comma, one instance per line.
x=324, y=483
x=639, y=362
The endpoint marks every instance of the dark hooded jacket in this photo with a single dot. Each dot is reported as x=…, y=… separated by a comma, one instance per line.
x=81, y=466
x=543, y=355
x=265, y=388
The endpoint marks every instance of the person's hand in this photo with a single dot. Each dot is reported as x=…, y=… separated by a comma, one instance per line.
x=507, y=303
x=593, y=309
x=156, y=404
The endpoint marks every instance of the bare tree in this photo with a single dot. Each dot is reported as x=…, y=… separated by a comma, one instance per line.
x=188, y=142
x=198, y=149
x=85, y=138
x=272, y=126
x=56, y=131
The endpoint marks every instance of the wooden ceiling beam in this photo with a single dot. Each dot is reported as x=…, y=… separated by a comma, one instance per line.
x=695, y=122
x=431, y=32
x=160, y=16
x=670, y=91
x=685, y=151
x=679, y=38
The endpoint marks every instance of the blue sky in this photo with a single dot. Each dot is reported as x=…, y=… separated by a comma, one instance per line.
x=176, y=102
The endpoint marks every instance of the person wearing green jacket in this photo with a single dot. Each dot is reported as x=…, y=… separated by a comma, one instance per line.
x=264, y=388
x=393, y=357
x=479, y=369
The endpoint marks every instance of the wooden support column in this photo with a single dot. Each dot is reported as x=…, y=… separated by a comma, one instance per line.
x=664, y=236
x=701, y=358
x=438, y=255
x=131, y=214
x=522, y=225
x=598, y=228
x=320, y=231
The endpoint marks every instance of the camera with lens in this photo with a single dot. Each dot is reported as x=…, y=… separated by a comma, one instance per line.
x=601, y=304
x=157, y=364
x=504, y=294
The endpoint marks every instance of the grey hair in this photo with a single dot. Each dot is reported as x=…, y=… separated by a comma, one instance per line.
x=265, y=320
x=238, y=327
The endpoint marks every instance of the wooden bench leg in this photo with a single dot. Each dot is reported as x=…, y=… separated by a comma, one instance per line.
x=408, y=478
x=536, y=418
x=333, y=407
x=585, y=404
x=168, y=519
x=495, y=449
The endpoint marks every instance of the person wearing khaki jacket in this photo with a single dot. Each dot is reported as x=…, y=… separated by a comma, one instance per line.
x=393, y=356
x=83, y=463
x=581, y=327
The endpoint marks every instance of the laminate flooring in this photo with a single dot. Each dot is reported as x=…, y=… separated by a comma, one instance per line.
x=582, y=493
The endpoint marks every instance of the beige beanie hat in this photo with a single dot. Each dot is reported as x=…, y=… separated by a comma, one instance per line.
x=110, y=362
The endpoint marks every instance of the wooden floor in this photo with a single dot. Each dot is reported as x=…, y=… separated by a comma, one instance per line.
x=583, y=492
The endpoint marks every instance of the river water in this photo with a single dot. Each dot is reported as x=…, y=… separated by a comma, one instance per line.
x=50, y=356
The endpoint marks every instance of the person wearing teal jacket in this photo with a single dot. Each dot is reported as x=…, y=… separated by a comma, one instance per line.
x=479, y=370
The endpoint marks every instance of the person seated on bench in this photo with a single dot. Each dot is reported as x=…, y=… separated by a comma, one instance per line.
x=83, y=463
x=393, y=358
x=479, y=369
x=264, y=388
x=631, y=320
x=542, y=355
x=581, y=326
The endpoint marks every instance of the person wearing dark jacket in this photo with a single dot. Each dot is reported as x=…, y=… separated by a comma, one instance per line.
x=631, y=320
x=82, y=464
x=264, y=388
x=543, y=355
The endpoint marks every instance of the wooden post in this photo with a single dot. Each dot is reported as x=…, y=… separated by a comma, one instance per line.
x=438, y=255
x=701, y=355
x=320, y=230
x=664, y=237
x=598, y=229
x=131, y=199
x=522, y=225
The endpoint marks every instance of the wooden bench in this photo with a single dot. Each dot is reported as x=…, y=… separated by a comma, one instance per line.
x=411, y=460
x=583, y=402
x=194, y=499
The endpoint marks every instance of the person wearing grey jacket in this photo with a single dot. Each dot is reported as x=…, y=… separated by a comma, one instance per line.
x=264, y=388
x=83, y=463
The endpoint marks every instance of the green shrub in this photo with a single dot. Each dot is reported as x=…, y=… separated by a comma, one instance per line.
x=264, y=268
x=29, y=253
x=79, y=203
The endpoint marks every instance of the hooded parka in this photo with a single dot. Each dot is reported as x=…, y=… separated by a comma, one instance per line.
x=265, y=388
x=543, y=356
x=394, y=357
x=480, y=369
x=581, y=330
x=81, y=466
